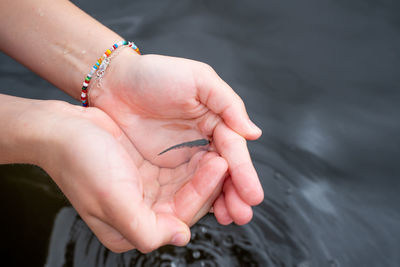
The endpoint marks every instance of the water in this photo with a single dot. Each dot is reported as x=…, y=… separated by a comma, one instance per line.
x=321, y=78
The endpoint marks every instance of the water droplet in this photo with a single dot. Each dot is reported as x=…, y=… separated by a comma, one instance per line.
x=228, y=241
x=178, y=263
x=289, y=191
x=333, y=263
x=193, y=236
x=196, y=254
x=278, y=175
x=40, y=12
x=304, y=264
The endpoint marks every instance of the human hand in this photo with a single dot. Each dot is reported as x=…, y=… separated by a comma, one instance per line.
x=161, y=101
x=127, y=201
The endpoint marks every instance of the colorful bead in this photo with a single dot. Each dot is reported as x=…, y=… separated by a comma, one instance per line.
x=99, y=64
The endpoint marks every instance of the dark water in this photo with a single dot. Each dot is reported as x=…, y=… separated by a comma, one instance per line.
x=322, y=78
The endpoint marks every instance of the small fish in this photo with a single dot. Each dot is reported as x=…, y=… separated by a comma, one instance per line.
x=199, y=142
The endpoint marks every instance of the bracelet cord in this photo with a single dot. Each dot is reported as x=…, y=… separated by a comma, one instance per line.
x=100, y=67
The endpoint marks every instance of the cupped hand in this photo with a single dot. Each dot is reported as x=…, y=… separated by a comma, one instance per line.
x=127, y=199
x=161, y=101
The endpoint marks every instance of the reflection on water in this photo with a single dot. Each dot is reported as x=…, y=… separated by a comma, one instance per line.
x=320, y=78
x=73, y=244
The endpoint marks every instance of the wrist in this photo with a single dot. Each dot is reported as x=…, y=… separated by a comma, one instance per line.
x=111, y=88
x=28, y=129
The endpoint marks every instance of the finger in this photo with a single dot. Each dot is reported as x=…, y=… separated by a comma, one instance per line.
x=195, y=198
x=108, y=235
x=220, y=211
x=232, y=147
x=218, y=96
x=238, y=210
x=141, y=226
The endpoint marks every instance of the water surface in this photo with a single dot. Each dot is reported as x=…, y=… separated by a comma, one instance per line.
x=321, y=78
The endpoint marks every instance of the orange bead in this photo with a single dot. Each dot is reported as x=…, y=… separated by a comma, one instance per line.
x=108, y=52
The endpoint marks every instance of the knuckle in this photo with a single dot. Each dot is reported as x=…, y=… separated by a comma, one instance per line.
x=114, y=247
x=207, y=67
x=147, y=247
x=229, y=143
x=241, y=102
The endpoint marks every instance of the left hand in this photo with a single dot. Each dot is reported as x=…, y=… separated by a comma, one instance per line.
x=127, y=201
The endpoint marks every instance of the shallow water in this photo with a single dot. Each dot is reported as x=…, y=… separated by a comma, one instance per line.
x=321, y=78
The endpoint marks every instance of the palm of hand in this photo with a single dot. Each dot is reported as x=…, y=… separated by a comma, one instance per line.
x=159, y=102
x=129, y=201
x=156, y=111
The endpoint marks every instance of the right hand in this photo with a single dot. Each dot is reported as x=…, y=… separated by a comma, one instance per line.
x=160, y=101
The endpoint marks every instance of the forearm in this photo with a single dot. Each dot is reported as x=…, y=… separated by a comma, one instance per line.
x=53, y=38
x=32, y=130
x=20, y=136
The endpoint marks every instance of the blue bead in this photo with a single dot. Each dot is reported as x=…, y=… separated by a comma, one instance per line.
x=95, y=67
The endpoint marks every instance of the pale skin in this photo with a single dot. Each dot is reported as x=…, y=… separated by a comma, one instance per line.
x=105, y=158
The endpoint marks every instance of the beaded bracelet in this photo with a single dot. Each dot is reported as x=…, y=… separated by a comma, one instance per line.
x=101, y=66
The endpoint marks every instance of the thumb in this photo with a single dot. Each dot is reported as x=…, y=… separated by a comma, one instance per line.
x=219, y=97
x=144, y=228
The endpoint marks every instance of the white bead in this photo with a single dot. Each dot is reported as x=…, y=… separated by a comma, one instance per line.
x=83, y=94
x=85, y=84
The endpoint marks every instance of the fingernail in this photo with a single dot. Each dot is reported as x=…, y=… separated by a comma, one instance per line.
x=254, y=127
x=179, y=239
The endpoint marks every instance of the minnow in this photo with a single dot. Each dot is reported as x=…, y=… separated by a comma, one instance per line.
x=198, y=142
